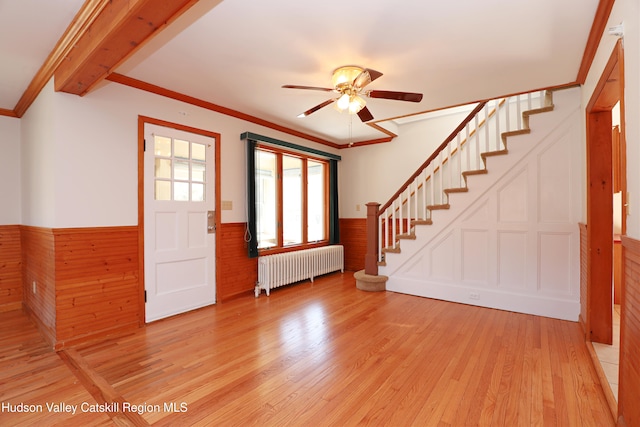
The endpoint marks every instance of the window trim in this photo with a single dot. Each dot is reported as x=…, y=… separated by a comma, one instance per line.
x=280, y=246
x=251, y=140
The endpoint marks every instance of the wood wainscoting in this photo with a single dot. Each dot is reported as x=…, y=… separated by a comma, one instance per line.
x=80, y=283
x=629, y=385
x=237, y=273
x=39, y=277
x=353, y=236
x=86, y=279
x=97, y=286
x=10, y=265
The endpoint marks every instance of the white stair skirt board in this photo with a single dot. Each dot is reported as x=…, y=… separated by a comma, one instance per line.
x=538, y=305
x=512, y=241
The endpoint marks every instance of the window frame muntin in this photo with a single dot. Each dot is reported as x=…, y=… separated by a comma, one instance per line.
x=280, y=248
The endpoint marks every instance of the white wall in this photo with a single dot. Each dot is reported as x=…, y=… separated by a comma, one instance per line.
x=80, y=165
x=38, y=161
x=628, y=13
x=373, y=173
x=9, y=171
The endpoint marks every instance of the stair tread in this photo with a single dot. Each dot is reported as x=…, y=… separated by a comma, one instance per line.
x=395, y=250
x=456, y=190
x=406, y=236
x=475, y=172
x=442, y=206
x=516, y=132
x=495, y=153
x=538, y=110
x=421, y=222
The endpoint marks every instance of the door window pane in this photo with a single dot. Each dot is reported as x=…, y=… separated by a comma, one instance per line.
x=291, y=200
x=181, y=170
x=198, y=171
x=197, y=192
x=315, y=201
x=181, y=191
x=162, y=190
x=163, y=168
x=266, y=196
x=181, y=149
x=198, y=151
x=162, y=146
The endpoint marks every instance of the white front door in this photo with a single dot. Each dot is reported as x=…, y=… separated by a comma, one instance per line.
x=179, y=221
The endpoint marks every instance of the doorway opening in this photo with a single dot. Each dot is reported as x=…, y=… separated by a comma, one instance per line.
x=606, y=213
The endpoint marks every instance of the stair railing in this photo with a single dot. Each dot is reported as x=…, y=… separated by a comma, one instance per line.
x=461, y=154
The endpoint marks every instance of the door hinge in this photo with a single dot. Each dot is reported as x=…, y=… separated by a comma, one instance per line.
x=144, y=144
x=145, y=296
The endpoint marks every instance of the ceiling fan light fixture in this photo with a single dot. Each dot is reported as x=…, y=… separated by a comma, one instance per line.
x=356, y=104
x=343, y=102
x=345, y=75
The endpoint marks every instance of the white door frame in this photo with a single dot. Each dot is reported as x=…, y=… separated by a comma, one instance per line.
x=142, y=120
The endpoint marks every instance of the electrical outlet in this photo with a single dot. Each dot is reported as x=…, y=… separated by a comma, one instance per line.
x=34, y=287
x=474, y=295
x=357, y=208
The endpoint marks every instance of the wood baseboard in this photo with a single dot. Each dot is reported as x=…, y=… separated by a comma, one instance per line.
x=604, y=382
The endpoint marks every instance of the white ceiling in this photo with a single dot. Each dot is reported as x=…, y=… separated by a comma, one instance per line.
x=238, y=53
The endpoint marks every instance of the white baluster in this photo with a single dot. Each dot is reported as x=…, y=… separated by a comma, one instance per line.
x=459, y=159
x=415, y=204
x=498, y=139
x=425, y=200
x=476, y=137
x=508, y=113
x=519, y=112
x=393, y=223
x=400, y=213
x=468, y=147
x=432, y=178
x=387, y=229
x=380, y=237
x=486, y=127
x=449, y=165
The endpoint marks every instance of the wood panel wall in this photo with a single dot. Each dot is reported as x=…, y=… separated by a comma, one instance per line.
x=629, y=386
x=38, y=266
x=97, y=284
x=584, y=276
x=10, y=268
x=237, y=273
x=353, y=236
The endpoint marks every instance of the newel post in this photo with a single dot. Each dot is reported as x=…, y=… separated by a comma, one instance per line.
x=371, y=256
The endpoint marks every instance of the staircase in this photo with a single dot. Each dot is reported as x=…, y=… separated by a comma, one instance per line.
x=491, y=217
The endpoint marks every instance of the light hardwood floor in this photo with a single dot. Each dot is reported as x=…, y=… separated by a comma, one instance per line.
x=312, y=355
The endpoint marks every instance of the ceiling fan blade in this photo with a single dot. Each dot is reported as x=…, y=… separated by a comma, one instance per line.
x=365, y=77
x=316, y=108
x=398, y=96
x=365, y=115
x=324, y=89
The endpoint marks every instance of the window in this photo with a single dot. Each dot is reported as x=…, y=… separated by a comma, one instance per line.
x=291, y=199
x=180, y=169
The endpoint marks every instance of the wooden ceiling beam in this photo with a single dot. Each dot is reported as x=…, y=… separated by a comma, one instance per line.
x=85, y=16
x=119, y=30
